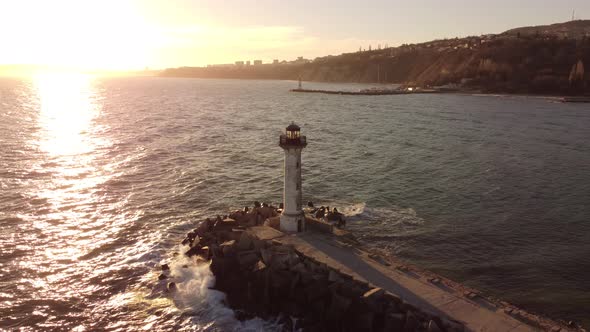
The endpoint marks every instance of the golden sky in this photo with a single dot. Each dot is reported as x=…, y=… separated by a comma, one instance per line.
x=134, y=34
x=127, y=34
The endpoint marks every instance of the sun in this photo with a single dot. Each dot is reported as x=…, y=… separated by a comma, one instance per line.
x=102, y=35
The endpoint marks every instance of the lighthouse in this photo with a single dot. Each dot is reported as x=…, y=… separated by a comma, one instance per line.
x=292, y=219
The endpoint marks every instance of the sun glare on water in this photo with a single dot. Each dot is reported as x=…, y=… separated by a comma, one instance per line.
x=68, y=104
x=68, y=138
x=67, y=108
x=64, y=172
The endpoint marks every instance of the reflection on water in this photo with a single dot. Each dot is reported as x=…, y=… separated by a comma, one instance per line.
x=67, y=258
x=67, y=107
x=68, y=103
x=61, y=222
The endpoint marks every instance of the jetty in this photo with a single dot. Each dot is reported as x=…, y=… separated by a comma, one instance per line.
x=372, y=92
x=581, y=99
x=292, y=263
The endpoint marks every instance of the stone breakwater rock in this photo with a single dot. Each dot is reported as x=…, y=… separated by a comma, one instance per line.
x=262, y=277
x=268, y=280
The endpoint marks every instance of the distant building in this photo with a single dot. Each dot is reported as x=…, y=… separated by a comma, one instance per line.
x=275, y=61
x=248, y=63
x=239, y=63
x=257, y=62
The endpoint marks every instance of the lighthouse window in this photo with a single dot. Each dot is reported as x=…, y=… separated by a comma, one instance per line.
x=298, y=186
x=297, y=164
x=292, y=134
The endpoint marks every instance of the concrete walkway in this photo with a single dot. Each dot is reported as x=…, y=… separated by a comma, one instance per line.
x=412, y=286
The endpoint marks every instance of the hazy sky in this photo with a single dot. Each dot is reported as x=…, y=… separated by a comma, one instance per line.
x=132, y=34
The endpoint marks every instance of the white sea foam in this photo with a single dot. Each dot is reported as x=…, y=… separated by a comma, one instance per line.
x=195, y=297
x=353, y=210
x=360, y=212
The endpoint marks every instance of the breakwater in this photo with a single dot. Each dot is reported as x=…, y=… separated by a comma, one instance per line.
x=266, y=278
x=575, y=99
x=324, y=280
x=370, y=92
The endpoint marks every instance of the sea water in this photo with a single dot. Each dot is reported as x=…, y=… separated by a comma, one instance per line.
x=100, y=178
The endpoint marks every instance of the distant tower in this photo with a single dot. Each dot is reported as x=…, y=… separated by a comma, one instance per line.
x=292, y=219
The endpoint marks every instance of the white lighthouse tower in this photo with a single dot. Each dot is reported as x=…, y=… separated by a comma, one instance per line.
x=292, y=219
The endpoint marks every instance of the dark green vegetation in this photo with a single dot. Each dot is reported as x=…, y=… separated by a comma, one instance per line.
x=538, y=60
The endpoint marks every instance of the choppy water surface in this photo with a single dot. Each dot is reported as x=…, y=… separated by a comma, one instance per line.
x=100, y=178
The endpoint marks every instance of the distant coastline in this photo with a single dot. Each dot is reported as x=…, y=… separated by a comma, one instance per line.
x=547, y=60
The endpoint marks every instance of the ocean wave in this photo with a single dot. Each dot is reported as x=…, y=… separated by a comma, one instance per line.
x=196, y=297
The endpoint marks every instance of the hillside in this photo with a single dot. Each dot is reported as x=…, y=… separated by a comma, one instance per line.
x=572, y=29
x=517, y=61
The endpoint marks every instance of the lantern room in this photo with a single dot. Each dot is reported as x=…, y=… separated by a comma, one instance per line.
x=293, y=131
x=292, y=137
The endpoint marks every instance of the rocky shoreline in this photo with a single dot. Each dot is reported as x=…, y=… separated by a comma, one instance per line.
x=266, y=278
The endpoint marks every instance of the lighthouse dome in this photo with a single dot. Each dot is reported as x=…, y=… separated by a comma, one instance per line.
x=293, y=127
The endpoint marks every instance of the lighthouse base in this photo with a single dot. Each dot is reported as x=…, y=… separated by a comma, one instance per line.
x=292, y=222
